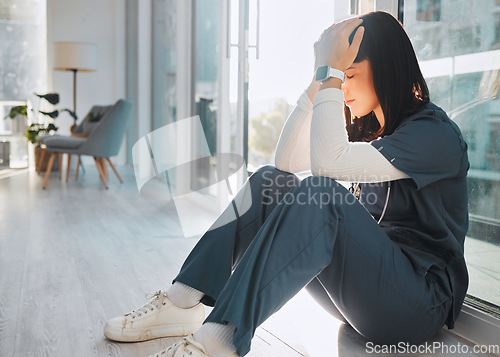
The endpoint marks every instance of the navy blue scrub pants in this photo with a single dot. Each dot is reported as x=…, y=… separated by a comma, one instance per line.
x=311, y=233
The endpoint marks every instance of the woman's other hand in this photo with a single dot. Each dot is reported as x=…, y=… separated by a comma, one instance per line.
x=333, y=48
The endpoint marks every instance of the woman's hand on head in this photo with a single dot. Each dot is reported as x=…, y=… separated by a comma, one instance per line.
x=333, y=48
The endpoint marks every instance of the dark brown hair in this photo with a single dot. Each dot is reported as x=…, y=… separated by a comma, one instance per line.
x=399, y=84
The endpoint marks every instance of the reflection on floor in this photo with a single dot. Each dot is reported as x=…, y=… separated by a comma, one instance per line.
x=76, y=254
x=483, y=262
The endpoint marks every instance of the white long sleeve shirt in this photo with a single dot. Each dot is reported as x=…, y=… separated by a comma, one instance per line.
x=315, y=139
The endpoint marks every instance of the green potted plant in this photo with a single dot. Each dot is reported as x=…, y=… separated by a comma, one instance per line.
x=40, y=127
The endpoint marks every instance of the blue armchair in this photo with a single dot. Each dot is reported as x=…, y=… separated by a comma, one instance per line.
x=103, y=141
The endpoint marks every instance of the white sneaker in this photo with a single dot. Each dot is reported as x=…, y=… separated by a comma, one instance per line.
x=158, y=318
x=187, y=347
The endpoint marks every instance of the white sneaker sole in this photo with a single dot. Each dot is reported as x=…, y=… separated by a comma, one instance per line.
x=150, y=333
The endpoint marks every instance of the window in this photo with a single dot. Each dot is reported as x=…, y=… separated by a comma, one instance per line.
x=164, y=62
x=428, y=10
x=457, y=46
x=23, y=70
x=23, y=46
x=470, y=138
x=283, y=70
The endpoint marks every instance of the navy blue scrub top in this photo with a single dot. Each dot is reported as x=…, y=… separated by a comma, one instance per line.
x=427, y=214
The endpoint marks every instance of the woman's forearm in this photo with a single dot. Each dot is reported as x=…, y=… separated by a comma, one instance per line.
x=293, y=149
x=320, y=144
x=332, y=155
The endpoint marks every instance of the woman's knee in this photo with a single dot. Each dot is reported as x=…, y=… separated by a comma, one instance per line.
x=323, y=191
x=322, y=183
x=319, y=181
x=270, y=185
x=265, y=170
x=271, y=177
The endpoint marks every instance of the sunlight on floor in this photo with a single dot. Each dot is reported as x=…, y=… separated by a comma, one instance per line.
x=315, y=329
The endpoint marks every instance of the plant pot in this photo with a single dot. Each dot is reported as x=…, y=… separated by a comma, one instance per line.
x=38, y=156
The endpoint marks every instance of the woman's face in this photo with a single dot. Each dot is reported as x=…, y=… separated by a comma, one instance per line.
x=359, y=92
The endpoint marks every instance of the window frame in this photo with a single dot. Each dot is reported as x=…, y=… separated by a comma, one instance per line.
x=479, y=321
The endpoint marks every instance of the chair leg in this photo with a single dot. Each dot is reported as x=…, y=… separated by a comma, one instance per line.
x=40, y=162
x=81, y=164
x=113, y=167
x=67, y=167
x=49, y=169
x=104, y=167
x=60, y=164
x=78, y=167
x=101, y=173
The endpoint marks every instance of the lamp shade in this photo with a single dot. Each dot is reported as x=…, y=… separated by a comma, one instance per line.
x=78, y=56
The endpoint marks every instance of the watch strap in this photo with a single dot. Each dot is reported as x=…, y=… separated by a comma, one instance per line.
x=336, y=73
x=324, y=73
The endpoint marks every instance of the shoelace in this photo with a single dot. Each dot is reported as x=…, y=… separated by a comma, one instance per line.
x=158, y=299
x=178, y=349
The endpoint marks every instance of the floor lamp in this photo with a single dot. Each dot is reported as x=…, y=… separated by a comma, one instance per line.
x=75, y=57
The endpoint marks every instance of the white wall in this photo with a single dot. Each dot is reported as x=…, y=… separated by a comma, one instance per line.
x=96, y=21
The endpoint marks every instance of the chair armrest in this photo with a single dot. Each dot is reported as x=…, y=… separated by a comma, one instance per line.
x=80, y=135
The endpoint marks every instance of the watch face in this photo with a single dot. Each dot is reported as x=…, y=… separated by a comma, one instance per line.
x=321, y=73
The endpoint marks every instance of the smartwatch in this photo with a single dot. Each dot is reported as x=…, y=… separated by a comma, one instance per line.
x=326, y=72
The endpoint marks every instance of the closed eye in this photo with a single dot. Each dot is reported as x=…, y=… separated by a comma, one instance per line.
x=349, y=76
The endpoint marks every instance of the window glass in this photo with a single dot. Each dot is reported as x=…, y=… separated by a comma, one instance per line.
x=206, y=49
x=164, y=62
x=164, y=68
x=23, y=46
x=23, y=53
x=283, y=70
x=458, y=46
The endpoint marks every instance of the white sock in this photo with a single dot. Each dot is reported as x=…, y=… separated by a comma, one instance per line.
x=216, y=338
x=184, y=296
